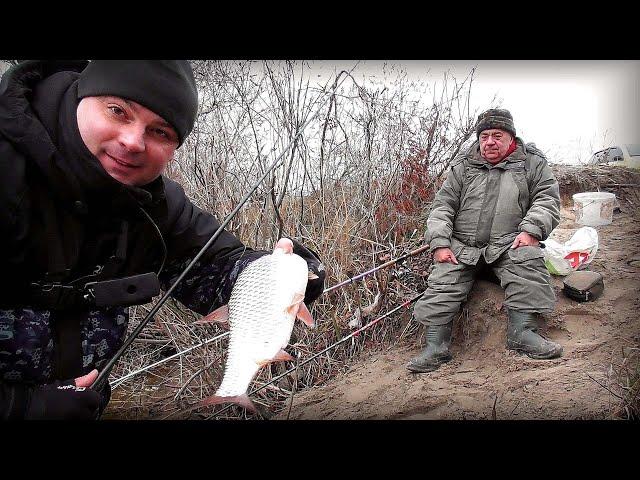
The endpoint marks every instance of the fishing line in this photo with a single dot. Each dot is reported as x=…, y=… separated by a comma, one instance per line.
x=384, y=265
x=117, y=382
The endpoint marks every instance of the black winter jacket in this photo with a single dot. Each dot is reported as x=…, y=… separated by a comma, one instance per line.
x=64, y=219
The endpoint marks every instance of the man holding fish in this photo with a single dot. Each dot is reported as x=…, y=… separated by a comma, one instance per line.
x=91, y=226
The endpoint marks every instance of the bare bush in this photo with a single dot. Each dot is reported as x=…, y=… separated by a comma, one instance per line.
x=355, y=187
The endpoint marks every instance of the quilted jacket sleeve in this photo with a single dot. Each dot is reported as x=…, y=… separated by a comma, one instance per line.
x=444, y=208
x=544, y=200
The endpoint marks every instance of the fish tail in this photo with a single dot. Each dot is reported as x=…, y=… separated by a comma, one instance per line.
x=242, y=400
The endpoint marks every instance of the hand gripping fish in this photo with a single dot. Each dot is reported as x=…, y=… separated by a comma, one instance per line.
x=265, y=301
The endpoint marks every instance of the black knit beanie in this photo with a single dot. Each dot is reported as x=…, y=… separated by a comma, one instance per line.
x=495, y=118
x=166, y=87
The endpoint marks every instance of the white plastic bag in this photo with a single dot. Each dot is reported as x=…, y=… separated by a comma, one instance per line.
x=562, y=259
x=554, y=258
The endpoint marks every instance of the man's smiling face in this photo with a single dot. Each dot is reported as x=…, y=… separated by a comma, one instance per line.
x=132, y=143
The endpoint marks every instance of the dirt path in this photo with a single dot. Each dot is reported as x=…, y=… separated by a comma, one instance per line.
x=485, y=380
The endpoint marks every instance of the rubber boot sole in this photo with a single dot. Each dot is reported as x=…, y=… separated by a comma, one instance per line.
x=555, y=353
x=417, y=368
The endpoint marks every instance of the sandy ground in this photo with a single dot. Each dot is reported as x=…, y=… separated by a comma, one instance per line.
x=485, y=380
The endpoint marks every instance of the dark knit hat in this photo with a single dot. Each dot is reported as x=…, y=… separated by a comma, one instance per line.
x=166, y=87
x=495, y=118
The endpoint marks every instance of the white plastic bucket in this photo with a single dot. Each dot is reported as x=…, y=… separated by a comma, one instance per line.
x=594, y=208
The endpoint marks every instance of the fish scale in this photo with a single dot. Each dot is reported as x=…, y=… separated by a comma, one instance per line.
x=260, y=326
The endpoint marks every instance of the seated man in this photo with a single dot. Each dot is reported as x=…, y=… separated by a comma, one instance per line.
x=499, y=200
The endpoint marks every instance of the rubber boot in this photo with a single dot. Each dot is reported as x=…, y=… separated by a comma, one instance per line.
x=522, y=336
x=436, y=352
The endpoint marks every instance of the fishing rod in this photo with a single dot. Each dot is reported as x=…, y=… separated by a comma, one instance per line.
x=98, y=384
x=384, y=265
x=132, y=374
x=351, y=335
x=421, y=249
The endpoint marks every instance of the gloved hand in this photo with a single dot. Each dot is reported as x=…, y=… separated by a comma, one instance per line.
x=315, y=287
x=67, y=400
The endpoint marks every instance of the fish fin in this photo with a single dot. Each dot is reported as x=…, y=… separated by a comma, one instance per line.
x=312, y=276
x=220, y=315
x=242, y=400
x=305, y=315
x=282, y=356
x=295, y=304
x=297, y=298
x=213, y=400
x=246, y=402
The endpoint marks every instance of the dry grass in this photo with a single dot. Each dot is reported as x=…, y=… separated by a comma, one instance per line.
x=167, y=391
x=355, y=188
x=624, y=182
x=624, y=381
x=349, y=245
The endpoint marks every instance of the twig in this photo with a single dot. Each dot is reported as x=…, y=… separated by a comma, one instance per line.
x=195, y=375
x=293, y=388
x=605, y=387
x=152, y=341
x=621, y=185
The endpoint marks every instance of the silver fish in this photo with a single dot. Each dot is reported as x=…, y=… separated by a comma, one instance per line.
x=265, y=301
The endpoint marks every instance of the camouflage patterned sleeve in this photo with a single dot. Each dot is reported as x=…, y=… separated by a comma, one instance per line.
x=544, y=200
x=443, y=210
x=208, y=284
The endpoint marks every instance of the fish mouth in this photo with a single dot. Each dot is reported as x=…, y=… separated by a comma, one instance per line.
x=312, y=276
x=284, y=244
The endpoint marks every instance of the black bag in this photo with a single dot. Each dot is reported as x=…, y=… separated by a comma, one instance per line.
x=583, y=286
